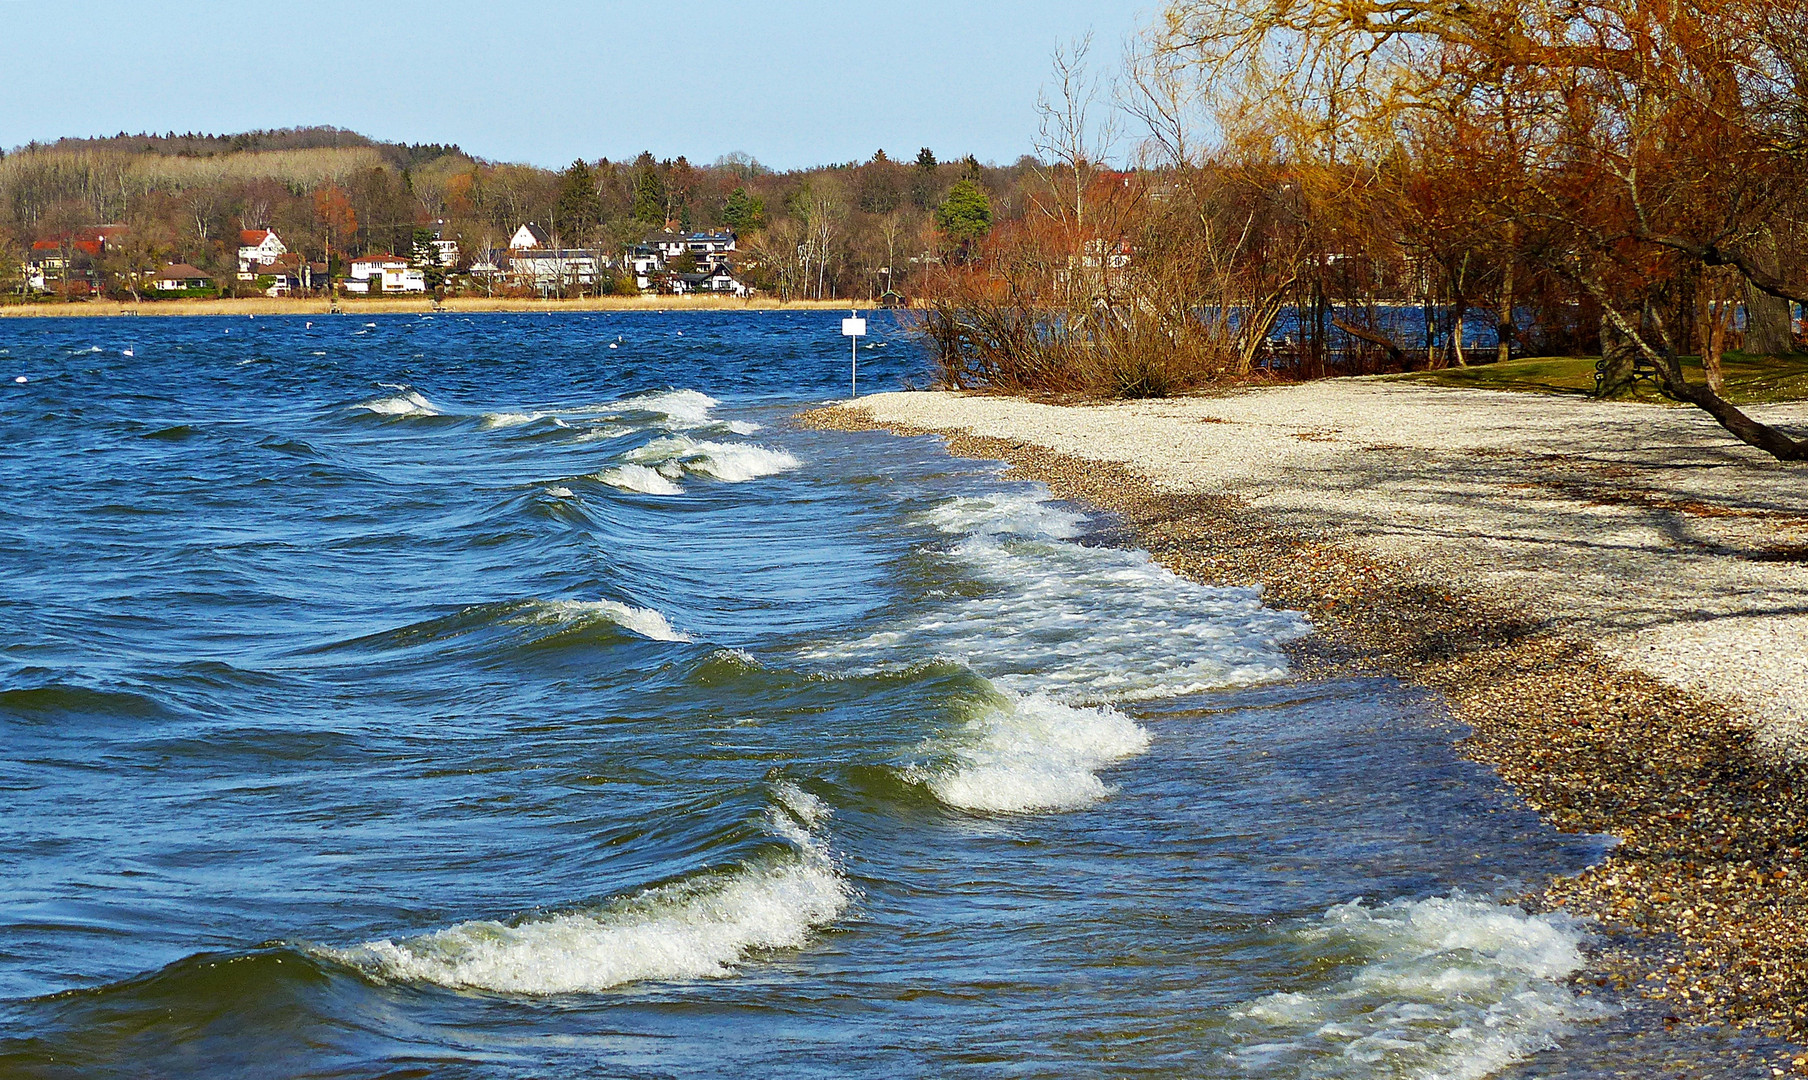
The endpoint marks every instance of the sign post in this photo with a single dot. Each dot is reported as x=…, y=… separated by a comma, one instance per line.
x=854, y=328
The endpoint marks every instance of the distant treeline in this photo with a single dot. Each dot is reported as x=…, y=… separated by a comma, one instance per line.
x=857, y=229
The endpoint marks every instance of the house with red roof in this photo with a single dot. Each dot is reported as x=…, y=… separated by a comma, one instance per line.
x=70, y=257
x=258, y=247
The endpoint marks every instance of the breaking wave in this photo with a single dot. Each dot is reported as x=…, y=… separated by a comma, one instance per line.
x=1453, y=987
x=1030, y=752
x=731, y=462
x=1065, y=633
x=683, y=407
x=647, y=481
x=406, y=403
x=646, y=622
x=700, y=928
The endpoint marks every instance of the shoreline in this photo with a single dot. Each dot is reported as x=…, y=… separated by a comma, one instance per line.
x=1703, y=904
x=458, y=305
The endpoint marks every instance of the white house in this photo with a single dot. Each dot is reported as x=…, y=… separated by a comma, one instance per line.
x=491, y=268
x=644, y=262
x=545, y=268
x=406, y=279
x=438, y=251
x=706, y=244
x=529, y=236
x=387, y=273
x=718, y=279
x=181, y=276
x=670, y=245
x=258, y=247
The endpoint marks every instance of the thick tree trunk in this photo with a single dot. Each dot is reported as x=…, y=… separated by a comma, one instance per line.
x=1742, y=427
x=1617, y=356
x=1504, y=329
x=1395, y=354
x=1767, y=324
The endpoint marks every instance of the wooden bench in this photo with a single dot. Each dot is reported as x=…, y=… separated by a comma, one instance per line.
x=1642, y=368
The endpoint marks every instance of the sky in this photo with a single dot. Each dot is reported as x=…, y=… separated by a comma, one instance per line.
x=792, y=83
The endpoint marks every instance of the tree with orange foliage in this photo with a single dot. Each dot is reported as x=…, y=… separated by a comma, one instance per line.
x=333, y=210
x=1646, y=140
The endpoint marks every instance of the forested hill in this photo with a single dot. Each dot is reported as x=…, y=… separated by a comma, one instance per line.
x=856, y=228
x=196, y=144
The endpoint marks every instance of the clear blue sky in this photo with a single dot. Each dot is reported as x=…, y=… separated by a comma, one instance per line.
x=792, y=83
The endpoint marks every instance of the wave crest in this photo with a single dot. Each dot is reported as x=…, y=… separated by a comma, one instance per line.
x=646, y=622
x=699, y=928
x=1030, y=752
x=406, y=403
x=641, y=478
x=730, y=462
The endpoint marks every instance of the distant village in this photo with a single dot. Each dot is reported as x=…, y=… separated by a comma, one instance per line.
x=90, y=261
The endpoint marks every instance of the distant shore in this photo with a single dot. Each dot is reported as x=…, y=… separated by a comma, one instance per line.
x=1621, y=629
x=263, y=305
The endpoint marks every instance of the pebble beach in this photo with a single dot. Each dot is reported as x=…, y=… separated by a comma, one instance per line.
x=1613, y=599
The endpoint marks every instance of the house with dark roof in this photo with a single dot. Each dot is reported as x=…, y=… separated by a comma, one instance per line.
x=717, y=279
x=553, y=268
x=527, y=236
x=180, y=277
x=668, y=244
x=707, y=245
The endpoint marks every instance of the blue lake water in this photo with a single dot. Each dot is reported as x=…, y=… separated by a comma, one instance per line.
x=464, y=696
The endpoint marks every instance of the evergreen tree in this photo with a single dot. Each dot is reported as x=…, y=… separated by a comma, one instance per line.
x=966, y=214
x=744, y=212
x=579, y=210
x=649, y=192
x=923, y=187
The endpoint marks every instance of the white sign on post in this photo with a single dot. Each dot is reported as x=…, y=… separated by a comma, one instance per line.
x=854, y=329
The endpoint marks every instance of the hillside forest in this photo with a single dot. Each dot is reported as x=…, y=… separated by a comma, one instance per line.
x=853, y=230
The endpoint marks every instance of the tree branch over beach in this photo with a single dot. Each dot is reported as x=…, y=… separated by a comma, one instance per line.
x=1316, y=174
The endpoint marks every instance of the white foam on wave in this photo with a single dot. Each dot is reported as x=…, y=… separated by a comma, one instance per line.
x=646, y=622
x=676, y=410
x=1030, y=752
x=406, y=403
x=1007, y=514
x=641, y=478
x=731, y=462
x=510, y=419
x=1063, y=632
x=1452, y=987
x=686, y=407
x=700, y=928
x=1082, y=625
x=602, y=432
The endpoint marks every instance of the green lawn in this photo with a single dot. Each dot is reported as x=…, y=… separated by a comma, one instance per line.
x=1750, y=380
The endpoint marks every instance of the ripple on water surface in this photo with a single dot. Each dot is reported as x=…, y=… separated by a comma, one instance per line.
x=468, y=696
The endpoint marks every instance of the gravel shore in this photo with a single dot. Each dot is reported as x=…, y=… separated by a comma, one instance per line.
x=1613, y=598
